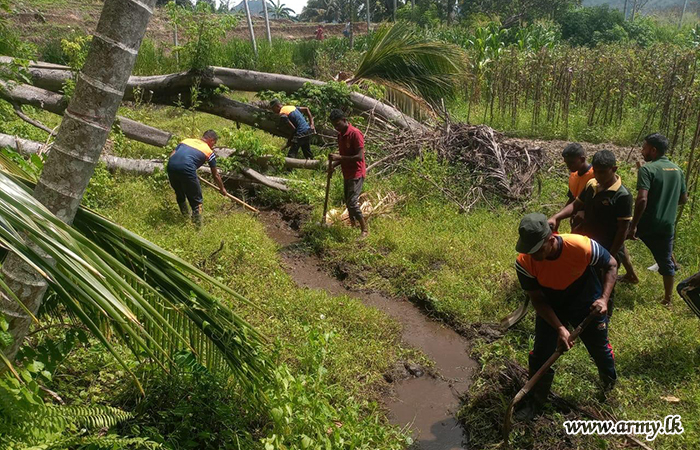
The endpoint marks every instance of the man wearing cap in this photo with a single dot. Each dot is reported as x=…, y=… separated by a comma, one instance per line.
x=558, y=272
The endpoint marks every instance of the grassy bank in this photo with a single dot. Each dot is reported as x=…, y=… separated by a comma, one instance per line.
x=460, y=266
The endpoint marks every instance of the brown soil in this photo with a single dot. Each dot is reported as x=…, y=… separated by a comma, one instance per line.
x=426, y=402
x=37, y=22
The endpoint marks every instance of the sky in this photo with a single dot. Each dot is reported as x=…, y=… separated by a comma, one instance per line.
x=296, y=5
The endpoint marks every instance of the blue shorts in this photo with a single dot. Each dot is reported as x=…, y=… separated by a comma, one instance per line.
x=661, y=248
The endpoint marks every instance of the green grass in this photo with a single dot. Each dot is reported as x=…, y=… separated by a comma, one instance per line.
x=337, y=348
x=462, y=266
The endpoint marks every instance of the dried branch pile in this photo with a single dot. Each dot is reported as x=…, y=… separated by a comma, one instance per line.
x=491, y=164
x=370, y=205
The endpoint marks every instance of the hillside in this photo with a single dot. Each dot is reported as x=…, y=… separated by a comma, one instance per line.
x=45, y=19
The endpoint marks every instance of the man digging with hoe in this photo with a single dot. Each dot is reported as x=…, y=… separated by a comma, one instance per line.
x=558, y=272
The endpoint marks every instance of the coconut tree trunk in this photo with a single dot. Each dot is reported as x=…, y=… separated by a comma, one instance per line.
x=267, y=22
x=164, y=88
x=625, y=9
x=78, y=145
x=250, y=27
x=56, y=103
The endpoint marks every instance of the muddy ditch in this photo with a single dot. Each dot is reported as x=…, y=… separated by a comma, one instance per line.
x=427, y=401
x=455, y=404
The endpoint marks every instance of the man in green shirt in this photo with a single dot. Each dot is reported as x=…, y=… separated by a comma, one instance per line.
x=660, y=189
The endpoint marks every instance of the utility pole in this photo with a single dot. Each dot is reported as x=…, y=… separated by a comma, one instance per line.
x=250, y=28
x=369, y=18
x=267, y=23
x=352, y=24
x=680, y=22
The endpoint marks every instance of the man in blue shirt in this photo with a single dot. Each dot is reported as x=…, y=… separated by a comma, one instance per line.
x=302, y=130
x=184, y=161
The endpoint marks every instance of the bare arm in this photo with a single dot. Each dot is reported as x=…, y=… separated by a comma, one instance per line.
x=640, y=205
x=547, y=313
x=306, y=111
x=568, y=211
x=600, y=306
x=217, y=179
x=684, y=199
x=623, y=227
x=356, y=156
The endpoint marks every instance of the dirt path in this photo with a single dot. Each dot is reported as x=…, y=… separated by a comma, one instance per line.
x=427, y=403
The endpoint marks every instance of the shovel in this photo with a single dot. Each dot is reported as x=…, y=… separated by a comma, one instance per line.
x=328, y=189
x=508, y=422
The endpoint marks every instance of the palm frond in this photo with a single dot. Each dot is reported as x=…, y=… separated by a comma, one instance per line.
x=145, y=295
x=399, y=55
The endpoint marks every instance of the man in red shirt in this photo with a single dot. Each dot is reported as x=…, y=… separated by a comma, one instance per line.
x=351, y=159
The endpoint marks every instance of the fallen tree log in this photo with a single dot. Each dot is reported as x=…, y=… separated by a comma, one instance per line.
x=21, y=146
x=17, y=93
x=144, y=167
x=158, y=88
x=262, y=179
x=264, y=160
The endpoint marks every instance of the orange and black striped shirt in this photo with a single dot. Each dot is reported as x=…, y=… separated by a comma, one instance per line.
x=570, y=275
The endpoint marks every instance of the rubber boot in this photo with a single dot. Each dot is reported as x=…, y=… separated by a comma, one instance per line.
x=184, y=209
x=534, y=401
x=608, y=385
x=363, y=227
x=197, y=219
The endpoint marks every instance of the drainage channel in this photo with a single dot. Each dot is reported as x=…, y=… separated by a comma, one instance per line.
x=428, y=404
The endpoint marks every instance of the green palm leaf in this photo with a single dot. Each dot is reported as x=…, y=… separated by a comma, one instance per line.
x=399, y=56
x=110, y=278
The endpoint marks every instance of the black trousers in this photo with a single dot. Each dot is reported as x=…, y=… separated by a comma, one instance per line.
x=594, y=337
x=303, y=142
x=352, y=189
x=187, y=189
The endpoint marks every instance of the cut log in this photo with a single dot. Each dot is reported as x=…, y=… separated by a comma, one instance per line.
x=289, y=163
x=262, y=179
x=21, y=146
x=162, y=87
x=17, y=93
x=146, y=167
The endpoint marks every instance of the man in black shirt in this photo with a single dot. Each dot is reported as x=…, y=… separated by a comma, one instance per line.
x=608, y=209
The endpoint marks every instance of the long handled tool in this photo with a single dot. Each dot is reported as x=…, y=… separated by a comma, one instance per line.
x=516, y=316
x=328, y=189
x=508, y=422
x=236, y=199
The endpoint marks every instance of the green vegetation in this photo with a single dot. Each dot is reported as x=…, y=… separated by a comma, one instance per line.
x=582, y=74
x=459, y=267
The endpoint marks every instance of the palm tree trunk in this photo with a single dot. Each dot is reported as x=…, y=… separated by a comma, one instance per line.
x=394, y=12
x=625, y=9
x=250, y=27
x=81, y=136
x=267, y=22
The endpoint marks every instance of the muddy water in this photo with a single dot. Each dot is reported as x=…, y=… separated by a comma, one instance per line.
x=428, y=404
